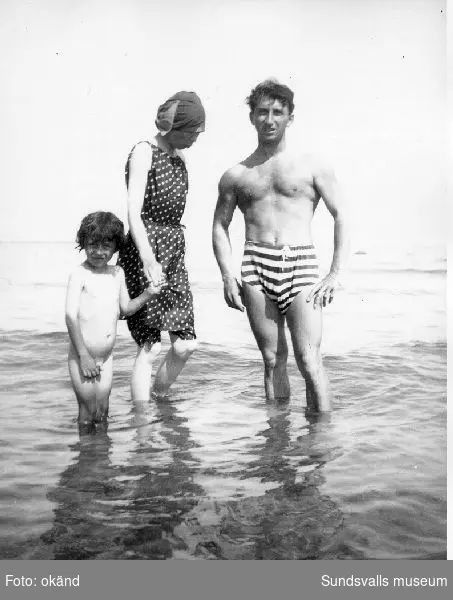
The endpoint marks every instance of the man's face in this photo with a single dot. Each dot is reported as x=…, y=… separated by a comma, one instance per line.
x=270, y=119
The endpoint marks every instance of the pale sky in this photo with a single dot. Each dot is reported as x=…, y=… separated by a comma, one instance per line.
x=81, y=82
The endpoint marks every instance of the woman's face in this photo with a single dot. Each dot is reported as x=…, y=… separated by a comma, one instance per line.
x=180, y=139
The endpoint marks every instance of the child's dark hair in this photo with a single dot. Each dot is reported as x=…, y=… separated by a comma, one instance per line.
x=273, y=90
x=100, y=226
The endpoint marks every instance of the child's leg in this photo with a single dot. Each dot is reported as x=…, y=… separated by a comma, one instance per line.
x=83, y=388
x=92, y=394
x=103, y=385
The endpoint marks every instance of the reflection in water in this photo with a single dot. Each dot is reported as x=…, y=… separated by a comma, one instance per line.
x=165, y=490
x=81, y=514
x=151, y=506
x=292, y=519
x=107, y=510
x=297, y=521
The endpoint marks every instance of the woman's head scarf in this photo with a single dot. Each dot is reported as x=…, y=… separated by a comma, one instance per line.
x=183, y=111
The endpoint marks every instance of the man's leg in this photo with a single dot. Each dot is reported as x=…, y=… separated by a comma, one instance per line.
x=142, y=371
x=305, y=325
x=268, y=327
x=173, y=363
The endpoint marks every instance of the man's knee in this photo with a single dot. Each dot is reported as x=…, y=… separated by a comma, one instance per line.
x=184, y=348
x=309, y=358
x=274, y=358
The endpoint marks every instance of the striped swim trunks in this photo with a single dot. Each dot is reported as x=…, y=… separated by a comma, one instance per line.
x=280, y=271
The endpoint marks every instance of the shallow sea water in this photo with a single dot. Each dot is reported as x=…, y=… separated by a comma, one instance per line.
x=216, y=472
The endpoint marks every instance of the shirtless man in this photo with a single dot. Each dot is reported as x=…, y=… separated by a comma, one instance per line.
x=278, y=191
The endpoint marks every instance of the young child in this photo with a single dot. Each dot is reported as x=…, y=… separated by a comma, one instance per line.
x=95, y=296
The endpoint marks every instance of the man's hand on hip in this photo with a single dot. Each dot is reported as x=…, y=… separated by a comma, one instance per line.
x=322, y=293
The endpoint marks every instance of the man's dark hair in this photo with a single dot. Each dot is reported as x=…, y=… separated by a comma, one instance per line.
x=273, y=90
x=100, y=226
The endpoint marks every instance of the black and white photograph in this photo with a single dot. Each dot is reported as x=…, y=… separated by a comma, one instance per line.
x=223, y=264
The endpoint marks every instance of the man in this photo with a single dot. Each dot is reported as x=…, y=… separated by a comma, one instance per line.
x=278, y=191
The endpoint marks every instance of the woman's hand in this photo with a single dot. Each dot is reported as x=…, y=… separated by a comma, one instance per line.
x=153, y=272
x=153, y=290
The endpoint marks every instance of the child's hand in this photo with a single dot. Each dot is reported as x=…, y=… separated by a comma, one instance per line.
x=154, y=290
x=89, y=367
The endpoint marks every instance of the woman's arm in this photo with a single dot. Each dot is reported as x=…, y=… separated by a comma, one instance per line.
x=139, y=165
x=88, y=365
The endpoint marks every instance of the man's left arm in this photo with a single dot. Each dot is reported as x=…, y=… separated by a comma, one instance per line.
x=327, y=186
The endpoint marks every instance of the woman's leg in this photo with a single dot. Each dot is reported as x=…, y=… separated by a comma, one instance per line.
x=173, y=363
x=142, y=371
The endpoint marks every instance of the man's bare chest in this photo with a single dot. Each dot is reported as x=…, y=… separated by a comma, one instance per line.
x=262, y=181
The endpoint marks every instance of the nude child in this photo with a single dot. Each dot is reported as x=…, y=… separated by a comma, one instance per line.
x=96, y=296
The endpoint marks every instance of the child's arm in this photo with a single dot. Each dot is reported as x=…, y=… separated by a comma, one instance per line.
x=88, y=365
x=127, y=306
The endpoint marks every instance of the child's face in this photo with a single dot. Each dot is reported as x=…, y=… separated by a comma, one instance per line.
x=99, y=252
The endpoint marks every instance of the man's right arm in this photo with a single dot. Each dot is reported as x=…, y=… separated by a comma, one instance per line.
x=226, y=205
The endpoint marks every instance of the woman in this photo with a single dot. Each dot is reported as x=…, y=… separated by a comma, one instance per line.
x=157, y=183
